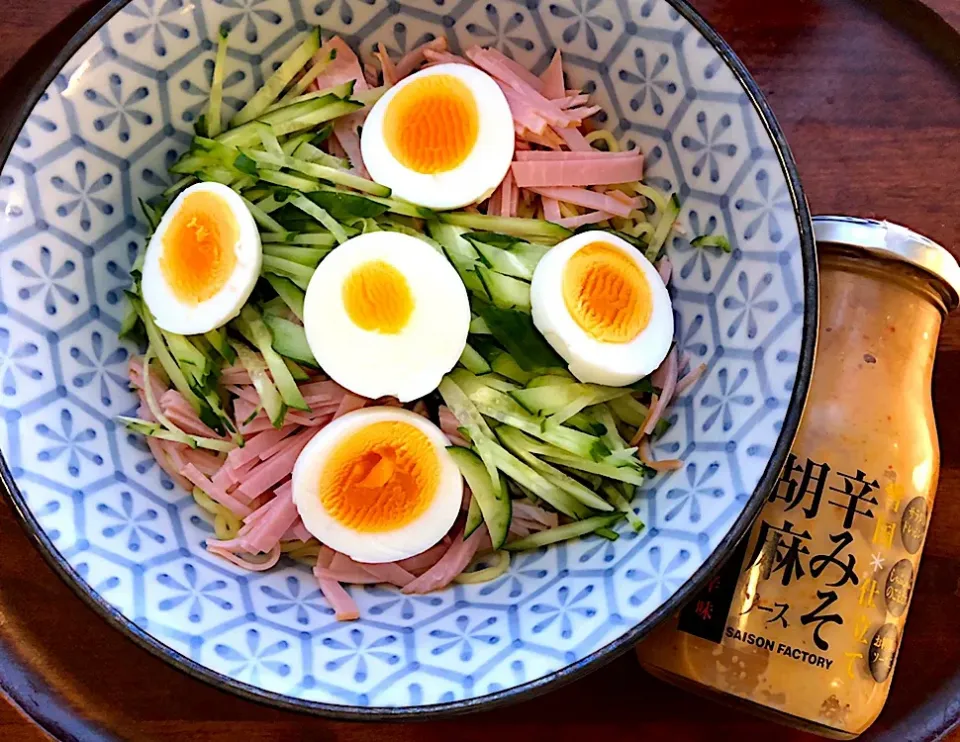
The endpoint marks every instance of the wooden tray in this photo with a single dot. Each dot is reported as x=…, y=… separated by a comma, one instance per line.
x=868, y=92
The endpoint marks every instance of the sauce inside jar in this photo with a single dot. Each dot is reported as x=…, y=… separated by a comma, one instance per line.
x=804, y=621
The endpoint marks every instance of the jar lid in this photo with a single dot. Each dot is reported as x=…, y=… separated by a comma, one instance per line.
x=893, y=241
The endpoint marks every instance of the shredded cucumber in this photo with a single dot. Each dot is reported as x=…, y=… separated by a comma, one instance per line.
x=290, y=339
x=495, y=570
x=309, y=207
x=535, y=229
x=563, y=533
x=263, y=339
x=491, y=495
x=273, y=405
x=473, y=361
x=292, y=295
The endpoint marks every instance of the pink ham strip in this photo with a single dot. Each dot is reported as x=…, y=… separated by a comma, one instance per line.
x=223, y=477
x=665, y=269
x=531, y=525
x=253, y=566
x=452, y=563
x=235, y=375
x=589, y=200
x=592, y=154
x=370, y=75
x=582, y=112
x=344, y=68
x=518, y=529
x=136, y=378
x=690, y=379
x=601, y=170
x=422, y=562
x=575, y=140
x=217, y=494
x=451, y=426
x=390, y=76
x=527, y=511
x=239, y=474
x=593, y=217
x=297, y=532
x=268, y=473
x=665, y=379
x=163, y=461
x=334, y=148
x=496, y=200
x=183, y=416
x=533, y=107
x=270, y=528
x=350, y=571
x=548, y=138
x=344, y=607
x=322, y=391
x=509, y=196
x=390, y=572
x=278, y=447
x=552, y=78
x=205, y=461
x=502, y=67
x=415, y=57
x=551, y=209
x=434, y=56
x=350, y=403
x=525, y=118
x=246, y=393
x=345, y=130
x=257, y=444
x=572, y=101
x=645, y=452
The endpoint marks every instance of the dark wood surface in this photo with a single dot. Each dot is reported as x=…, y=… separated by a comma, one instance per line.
x=868, y=92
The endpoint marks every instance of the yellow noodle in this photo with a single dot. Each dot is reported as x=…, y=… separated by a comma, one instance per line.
x=602, y=135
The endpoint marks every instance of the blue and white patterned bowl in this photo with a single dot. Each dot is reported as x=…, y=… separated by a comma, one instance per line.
x=116, y=110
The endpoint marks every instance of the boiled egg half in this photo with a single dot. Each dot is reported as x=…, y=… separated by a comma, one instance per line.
x=386, y=315
x=202, y=261
x=603, y=307
x=442, y=138
x=378, y=485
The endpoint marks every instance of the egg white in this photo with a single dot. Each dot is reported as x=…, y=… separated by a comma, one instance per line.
x=410, y=363
x=387, y=546
x=473, y=179
x=190, y=318
x=590, y=360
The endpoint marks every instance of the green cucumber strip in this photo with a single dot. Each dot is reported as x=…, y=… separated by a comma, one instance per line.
x=491, y=496
x=308, y=256
x=150, y=214
x=296, y=370
x=343, y=206
x=607, y=533
x=262, y=218
x=268, y=140
x=611, y=436
x=535, y=229
x=263, y=338
x=130, y=324
x=495, y=381
x=188, y=356
x=292, y=295
x=287, y=268
x=560, y=398
x=178, y=186
x=155, y=430
x=463, y=409
x=454, y=245
x=315, y=70
x=505, y=292
x=550, y=379
x=314, y=170
x=667, y=220
x=715, y=240
x=527, y=477
x=272, y=88
x=310, y=153
x=620, y=503
x=404, y=208
x=273, y=405
x=467, y=274
x=650, y=193
x=563, y=533
x=518, y=444
x=218, y=339
x=308, y=207
x=268, y=204
x=342, y=91
x=514, y=330
x=371, y=95
x=290, y=119
x=169, y=365
x=629, y=474
x=295, y=142
x=303, y=185
x=290, y=339
x=478, y=326
x=190, y=164
x=629, y=410
x=473, y=361
x=505, y=365
x=504, y=262
x=316, y=239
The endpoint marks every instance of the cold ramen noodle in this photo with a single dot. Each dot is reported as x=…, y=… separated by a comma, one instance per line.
x=401, y=320
x=805, y=620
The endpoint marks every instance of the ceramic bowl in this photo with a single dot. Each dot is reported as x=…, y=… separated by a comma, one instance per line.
x=114, y=112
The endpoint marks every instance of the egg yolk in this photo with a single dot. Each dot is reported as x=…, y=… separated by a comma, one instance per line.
x=431, y=125
x=377, y=297
x=380, y=478
x=606, y=293
x=199, y=247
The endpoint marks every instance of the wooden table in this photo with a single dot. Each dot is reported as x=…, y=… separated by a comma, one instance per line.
x=868, y=92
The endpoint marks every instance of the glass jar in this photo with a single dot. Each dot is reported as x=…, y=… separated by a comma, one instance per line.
x=804, y=621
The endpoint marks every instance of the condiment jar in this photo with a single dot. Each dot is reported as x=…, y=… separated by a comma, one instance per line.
x=804, y=621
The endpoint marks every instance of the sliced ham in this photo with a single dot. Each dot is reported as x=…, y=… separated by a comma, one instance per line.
x=665, y=379
x=547, y=139
x=344, y=68
x=690, y=379
x=370, y=75
x=297, y=532
x=420, y=563
x=270, y=528
x=415, y=57
x=270, y=472
x=452, y=563
x=591, y=154
x=601, y=170
x=345, y=129
x=181, y=414
x=531, y=106
x=390, y=572
x=159, y=453
x=665, y=269
x=390, y=76
x=551, y=209
x=552, y=78
x=589, y=199
x=580, y=113
x=529, y=511
x=350, y=403
x=451, y=427
x=207, y=462
x=572, y=101
x=344, y=607
x=258, y=444
x=509, y=196
x=434, y=56
x=217, y=494
x=572, y=137
x=503, y=68
x=239, y=559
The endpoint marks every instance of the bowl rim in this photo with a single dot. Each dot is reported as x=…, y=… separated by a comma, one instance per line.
x=574, y=670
